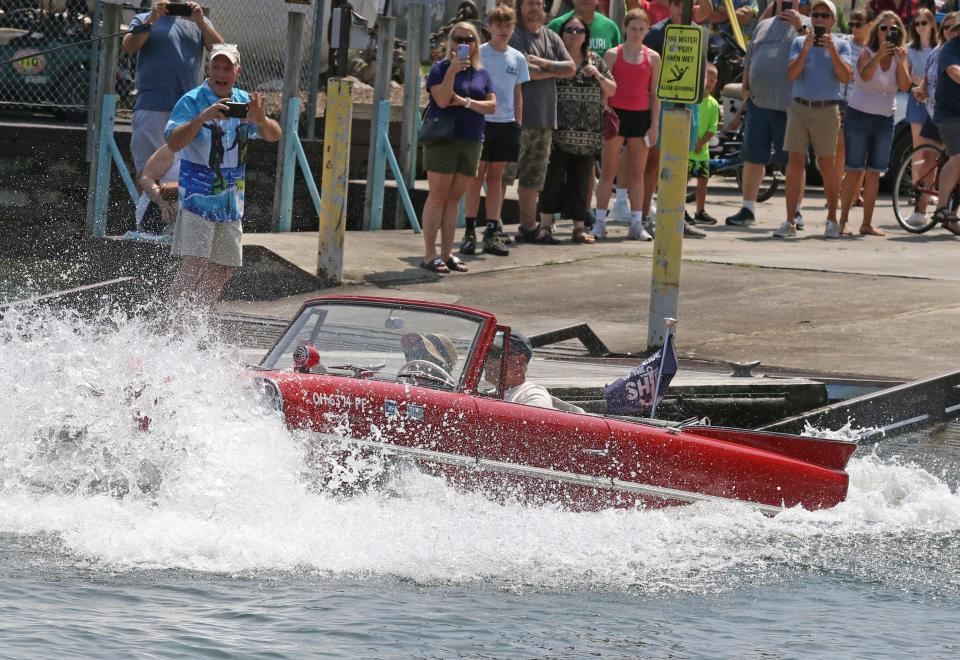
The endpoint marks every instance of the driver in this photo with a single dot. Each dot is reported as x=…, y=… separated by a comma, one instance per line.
x=437, y=349
x=517, y=389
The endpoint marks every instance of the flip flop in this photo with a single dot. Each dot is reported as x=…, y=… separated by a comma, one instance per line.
x=435, y=266
x=454, y=263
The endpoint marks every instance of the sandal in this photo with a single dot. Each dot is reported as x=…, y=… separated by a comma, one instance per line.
x=944, y=216
x=583, y=237
x=454, y=263
x=545, y=237
x=952, y=226
x=525, y=235
x=435, y=266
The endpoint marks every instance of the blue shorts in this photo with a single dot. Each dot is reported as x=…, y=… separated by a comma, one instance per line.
x=763, y=133
x=868, y=140
x=916, y=111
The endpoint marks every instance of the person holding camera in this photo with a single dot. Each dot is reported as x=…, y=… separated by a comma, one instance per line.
x=881, y=72
x=819, y=69
x=169, y=57
x=211, y=126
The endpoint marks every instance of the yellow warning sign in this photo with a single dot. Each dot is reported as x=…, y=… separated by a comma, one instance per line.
x=681, y=72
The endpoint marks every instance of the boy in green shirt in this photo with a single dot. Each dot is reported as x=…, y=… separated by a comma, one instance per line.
x=604, y=33
x=699, y=169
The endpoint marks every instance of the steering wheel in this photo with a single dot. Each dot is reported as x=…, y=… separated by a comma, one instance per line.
x=426, y=370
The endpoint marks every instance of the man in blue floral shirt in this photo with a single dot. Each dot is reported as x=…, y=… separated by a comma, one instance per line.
x=213, y=154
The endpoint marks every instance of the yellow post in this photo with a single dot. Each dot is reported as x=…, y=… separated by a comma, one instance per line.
x=668, y=235
x=335, y=180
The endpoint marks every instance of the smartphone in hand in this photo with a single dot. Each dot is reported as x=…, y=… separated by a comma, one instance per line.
x=237, y=110
x=178, y=9
x=463, y=51
x=818, y=34
x=786, y=5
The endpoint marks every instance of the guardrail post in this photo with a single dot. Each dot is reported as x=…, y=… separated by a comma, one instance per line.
x=386, y=28
x=336, y=165
x=316, y=50
x=411, y=99
x=98, y=187
x=92, y=89
x=291, y=89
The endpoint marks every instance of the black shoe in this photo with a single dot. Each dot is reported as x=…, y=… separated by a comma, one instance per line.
x=689, y=231
x=743, y=218
x=688, y=218
x=525, y=235
x=469, y=245
x=704, y=218
x=493, y=245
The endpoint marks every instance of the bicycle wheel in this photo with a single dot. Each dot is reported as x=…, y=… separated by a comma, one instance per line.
x=768, y=186
x=915, y=195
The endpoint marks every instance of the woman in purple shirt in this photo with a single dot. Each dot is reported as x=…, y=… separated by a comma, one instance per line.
x=459, y=88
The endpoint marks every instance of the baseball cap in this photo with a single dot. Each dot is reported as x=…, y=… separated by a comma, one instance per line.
x=518, y=344
x=230, y=51
x=828, y=4
x=434, y=348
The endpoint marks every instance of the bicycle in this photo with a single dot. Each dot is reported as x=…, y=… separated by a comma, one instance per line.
x=916, y=197
x=725, y=160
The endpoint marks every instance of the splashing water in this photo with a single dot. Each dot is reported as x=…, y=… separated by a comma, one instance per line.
x=217, y=484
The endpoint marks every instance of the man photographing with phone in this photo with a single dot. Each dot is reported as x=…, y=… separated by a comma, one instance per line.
x=207, y=128
x=169, y=57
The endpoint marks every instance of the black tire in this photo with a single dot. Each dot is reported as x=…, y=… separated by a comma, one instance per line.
x=909, y=196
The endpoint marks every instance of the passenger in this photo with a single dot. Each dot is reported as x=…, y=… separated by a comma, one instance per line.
x=169, y=57
x=436, y=349
x=517, y=389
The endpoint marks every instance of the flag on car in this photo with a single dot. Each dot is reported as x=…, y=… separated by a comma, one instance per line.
x=638, y=392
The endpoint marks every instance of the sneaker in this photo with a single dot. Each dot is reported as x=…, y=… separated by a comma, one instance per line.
x=798, y=221
x=648, y=225
x=688, y=218
x=917, y=219
x=493, y=245
x=621, y=211
x=832, y=230
x=742, y=218
x=637, y=232
x=786, y=230
x=689, y=231
x=704, y=218
x=469, y=245
x=599, y=228
x=504, y=237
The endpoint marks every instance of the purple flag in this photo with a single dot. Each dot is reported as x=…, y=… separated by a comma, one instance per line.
x=636, y=393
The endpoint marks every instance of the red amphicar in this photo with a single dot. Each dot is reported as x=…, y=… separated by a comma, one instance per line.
x=430, y=382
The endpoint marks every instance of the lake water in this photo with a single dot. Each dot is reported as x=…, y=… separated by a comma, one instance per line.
x=237, y=554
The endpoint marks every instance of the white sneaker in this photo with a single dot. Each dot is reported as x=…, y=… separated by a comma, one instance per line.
x=832, y=230
x=786, y=230
x=917, y=219
x=637, y=232
x=599, y=229
x=621, y=211
x=798, y=221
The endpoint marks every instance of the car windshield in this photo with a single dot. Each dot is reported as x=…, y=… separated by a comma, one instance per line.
x=355, y=338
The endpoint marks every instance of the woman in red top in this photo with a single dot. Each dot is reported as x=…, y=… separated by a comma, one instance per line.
x=636, y=70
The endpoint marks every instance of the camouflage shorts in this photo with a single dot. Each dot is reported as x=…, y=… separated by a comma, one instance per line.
x=534, y=157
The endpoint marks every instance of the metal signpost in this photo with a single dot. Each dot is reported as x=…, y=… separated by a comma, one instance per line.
x=681, y=83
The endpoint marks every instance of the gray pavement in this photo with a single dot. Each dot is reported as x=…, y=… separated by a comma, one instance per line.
x=864, y=305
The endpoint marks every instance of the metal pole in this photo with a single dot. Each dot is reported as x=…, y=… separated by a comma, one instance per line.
x=285, y=221
x=617, y=12
x=386, y=27
x=291, y=89
x=377, y=167
x=333, y=193
x=92, y=89
x=98, y=186
x=317, y=49
x=411, y=99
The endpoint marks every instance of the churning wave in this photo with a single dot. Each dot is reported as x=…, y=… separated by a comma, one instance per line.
x=217, y=484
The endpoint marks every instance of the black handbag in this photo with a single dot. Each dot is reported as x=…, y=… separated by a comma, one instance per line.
x=434, y=129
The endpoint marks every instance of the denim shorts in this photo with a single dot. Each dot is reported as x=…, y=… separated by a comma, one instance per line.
x=916, y=111
x=868, y=141
x=763, y=132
